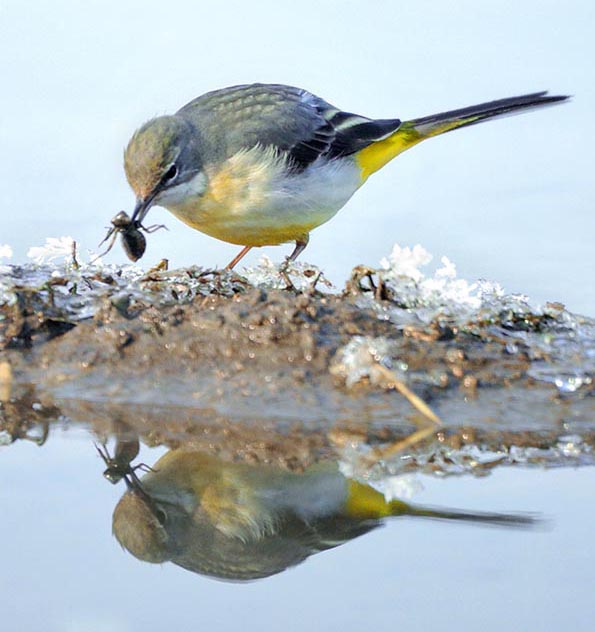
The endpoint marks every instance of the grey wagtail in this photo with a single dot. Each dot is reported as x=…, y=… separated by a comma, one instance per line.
x=238, y=521
x=260, y=165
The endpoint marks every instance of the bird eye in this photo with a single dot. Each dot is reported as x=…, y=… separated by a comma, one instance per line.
x=170, y=174
x=161, y=516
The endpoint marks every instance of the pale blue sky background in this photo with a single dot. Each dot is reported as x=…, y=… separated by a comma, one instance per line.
x=511, y=201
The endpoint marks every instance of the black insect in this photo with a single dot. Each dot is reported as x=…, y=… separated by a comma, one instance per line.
x=133, y=241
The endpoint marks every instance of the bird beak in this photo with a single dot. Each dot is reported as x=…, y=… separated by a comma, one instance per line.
x=141, y=209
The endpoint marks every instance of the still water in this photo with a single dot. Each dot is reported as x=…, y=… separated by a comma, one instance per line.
x=63, y=569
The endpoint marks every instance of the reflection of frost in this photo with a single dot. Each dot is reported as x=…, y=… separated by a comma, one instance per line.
x=441, y=460
x=55, y=249
x=393, y=486
x=402, y=486
x=571, y=446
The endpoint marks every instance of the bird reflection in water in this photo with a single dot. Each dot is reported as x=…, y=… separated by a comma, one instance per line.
x=239, y=522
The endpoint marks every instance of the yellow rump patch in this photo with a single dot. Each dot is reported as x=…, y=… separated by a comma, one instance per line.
x=375, y=156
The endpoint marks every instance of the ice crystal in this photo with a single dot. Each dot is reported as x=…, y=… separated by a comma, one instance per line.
x=5, y=251
x=303, y=276
x=54, y=249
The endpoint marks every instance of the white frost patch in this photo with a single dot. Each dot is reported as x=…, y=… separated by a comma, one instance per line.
x=54, y=249
x=265, y=273
x=402, y=272
x=407, y=261
x=303, y=275
x=560, y=345
x=5, y=251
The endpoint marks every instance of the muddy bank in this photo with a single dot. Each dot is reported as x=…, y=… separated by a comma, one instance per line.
x=244, y=365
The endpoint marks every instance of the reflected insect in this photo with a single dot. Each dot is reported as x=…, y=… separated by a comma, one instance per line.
x=133, y=241
x=119, y=466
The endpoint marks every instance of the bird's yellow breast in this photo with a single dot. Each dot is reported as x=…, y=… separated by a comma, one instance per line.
x=254, y=199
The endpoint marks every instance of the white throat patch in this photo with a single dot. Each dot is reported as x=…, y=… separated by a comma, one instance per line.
x=183, y=192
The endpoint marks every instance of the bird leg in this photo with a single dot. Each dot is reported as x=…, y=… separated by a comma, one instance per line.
x=300, y=246
x=243, y=252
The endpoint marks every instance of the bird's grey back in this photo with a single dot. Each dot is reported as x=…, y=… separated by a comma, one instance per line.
x=290, y=119
x=244, y=116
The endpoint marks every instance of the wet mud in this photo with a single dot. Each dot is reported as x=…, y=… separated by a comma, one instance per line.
x=287, y=375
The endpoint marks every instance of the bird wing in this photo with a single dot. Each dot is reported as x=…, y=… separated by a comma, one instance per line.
x=290, y=119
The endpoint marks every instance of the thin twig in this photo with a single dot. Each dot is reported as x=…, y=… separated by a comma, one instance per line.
x=393, y=382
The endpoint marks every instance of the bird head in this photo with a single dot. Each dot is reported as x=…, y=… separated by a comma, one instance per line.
x=139, y=527
x=163, y=164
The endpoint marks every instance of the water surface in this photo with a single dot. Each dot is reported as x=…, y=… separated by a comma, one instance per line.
x=64, y=570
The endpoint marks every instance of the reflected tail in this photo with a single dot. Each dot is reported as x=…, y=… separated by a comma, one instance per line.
x=365, y=502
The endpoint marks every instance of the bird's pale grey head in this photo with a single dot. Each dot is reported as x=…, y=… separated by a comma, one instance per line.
x=161, y=160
